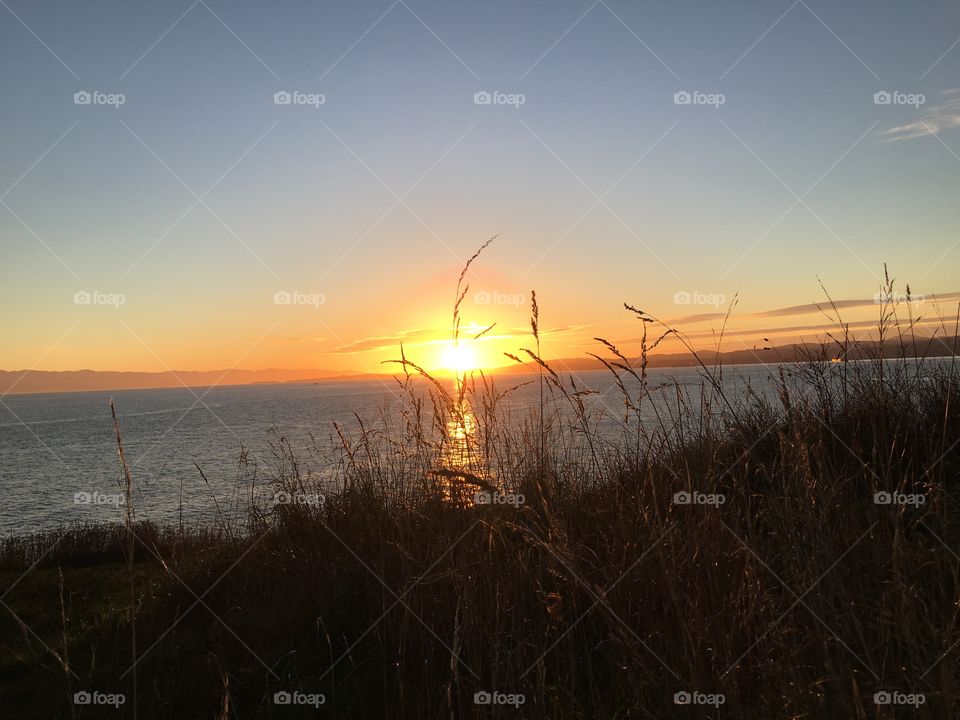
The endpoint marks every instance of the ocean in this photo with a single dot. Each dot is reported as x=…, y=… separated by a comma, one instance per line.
x=58, y=451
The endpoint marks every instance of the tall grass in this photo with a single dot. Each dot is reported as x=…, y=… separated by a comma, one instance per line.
x=600, y=595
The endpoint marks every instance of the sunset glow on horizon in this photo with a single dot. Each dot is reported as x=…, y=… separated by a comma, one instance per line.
x=309, y=204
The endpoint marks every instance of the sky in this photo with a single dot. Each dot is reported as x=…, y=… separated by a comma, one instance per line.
x=163, y=207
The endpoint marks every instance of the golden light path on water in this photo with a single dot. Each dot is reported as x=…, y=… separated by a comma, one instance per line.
x=460, y=454
x=465, y=475
x=460, y=450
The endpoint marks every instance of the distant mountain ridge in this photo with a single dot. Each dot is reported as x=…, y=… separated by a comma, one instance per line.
x=794, y=352
x=41, y=381
x=46, y=381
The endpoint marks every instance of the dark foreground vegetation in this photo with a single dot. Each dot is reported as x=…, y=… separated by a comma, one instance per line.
x=783, y=555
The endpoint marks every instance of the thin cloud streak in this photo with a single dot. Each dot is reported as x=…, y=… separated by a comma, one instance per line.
x=428, y=336
x=808, y=308
x=934, y=120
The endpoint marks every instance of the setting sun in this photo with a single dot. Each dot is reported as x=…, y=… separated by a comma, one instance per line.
x=459, y=357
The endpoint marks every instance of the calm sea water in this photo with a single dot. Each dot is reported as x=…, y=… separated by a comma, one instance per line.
x=54, y=446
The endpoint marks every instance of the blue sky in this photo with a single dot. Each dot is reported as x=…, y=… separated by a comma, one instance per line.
x=602, y=187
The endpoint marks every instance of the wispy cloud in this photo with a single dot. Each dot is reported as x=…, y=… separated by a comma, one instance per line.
x=754, y=333
x=428, y=336
x=561, y=330
x=385, y=342
x=806, y=309
x=934, y=120
x=815, y=307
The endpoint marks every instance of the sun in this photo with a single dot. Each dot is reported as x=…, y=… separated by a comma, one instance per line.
x=459, y=358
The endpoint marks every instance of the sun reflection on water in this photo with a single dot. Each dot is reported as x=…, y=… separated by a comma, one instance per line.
x=461, y=457
x=459, y=452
